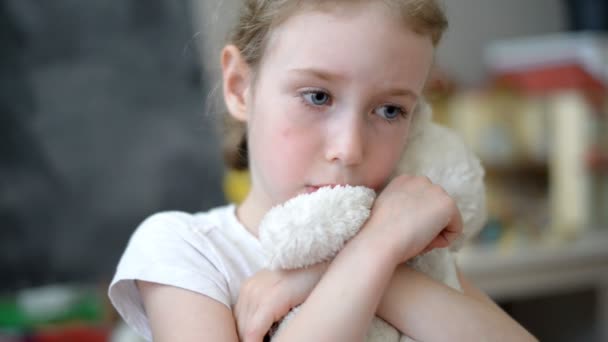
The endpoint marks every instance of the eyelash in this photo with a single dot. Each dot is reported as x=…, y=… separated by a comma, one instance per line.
x=303, y=94
x=402, y=112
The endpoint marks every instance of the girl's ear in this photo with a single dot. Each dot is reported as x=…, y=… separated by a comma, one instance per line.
x=236, y=77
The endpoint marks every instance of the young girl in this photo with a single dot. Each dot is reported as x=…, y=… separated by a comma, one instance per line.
x=327, y=90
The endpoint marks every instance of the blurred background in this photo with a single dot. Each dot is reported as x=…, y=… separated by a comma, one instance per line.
x=108, y=114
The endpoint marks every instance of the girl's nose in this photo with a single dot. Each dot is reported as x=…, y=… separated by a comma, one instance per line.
x=345, y=142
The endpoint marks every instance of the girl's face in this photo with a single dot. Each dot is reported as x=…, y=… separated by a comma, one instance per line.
x=332, y=102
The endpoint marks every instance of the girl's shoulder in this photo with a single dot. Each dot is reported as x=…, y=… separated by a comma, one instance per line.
x=208, y=253
x=174, y=238
x=189, y=226
x=179, y=242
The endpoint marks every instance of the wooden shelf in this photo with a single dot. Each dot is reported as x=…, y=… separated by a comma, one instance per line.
x=538, y=270
x=542, y=270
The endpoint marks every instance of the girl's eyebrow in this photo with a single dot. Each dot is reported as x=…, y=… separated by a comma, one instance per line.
x=318, y=73
x=401, y=92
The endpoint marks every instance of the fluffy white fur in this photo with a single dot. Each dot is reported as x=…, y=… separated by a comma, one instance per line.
x=312, y=228
x=298, y=234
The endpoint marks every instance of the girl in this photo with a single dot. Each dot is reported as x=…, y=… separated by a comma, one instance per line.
x=327, y=91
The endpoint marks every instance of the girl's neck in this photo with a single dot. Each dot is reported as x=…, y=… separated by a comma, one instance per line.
x=250, y=214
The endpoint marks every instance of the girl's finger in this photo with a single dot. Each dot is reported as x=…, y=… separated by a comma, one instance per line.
x=454, y=228
x=241, y=313
x=259, y=325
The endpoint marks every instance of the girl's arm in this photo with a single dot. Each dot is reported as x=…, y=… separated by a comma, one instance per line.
x=427, y=310
x=410, y=215
x=342, y=305
x=176, y=314
x=339, y=309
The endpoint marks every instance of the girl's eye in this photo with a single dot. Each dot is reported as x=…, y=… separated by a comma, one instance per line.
x=316, y=97
x=390, y=113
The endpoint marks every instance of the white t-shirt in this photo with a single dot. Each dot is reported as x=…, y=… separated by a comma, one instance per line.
x=209, y=253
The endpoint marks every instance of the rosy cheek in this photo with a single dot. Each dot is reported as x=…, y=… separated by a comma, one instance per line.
x=284, y=147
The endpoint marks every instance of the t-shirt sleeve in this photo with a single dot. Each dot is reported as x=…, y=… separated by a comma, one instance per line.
x=166, y=249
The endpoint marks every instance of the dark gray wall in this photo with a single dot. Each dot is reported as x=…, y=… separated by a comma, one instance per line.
x=103, y=122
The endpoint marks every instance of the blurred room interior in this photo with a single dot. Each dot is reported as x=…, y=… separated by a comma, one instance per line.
x=108, y=110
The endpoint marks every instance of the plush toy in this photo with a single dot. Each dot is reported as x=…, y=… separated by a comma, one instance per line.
x=312, y=228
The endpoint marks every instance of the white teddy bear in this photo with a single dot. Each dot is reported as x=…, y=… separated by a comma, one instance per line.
x=312, y=228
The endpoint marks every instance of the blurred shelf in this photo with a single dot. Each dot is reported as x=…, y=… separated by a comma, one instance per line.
x=539, y=270
x=522, y=169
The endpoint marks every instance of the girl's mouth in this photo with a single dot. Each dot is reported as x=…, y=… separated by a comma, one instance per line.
x=313, y=188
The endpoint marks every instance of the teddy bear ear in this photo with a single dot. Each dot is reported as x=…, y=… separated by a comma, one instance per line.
x=441, y=155
x=423, y=115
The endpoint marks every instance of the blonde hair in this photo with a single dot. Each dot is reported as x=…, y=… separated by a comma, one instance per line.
x=259, y=17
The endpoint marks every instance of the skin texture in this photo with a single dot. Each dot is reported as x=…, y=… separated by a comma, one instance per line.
x=331, y=103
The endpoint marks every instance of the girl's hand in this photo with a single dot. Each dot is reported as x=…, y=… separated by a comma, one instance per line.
x=268, y=296
x=412, y=215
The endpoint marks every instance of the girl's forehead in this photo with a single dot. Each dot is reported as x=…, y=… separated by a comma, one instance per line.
x=338, y=18
x=356, y=38
x=335, y=13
